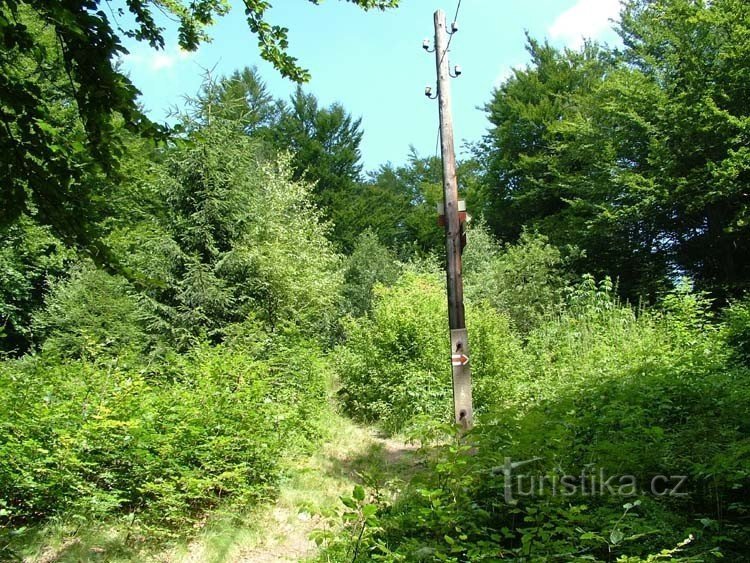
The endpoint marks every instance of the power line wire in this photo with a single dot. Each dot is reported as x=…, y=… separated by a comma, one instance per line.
x=442, y=56
x=450, y=38
x=455, y=16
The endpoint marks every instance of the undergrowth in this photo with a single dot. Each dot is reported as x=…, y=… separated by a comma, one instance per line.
x=606, y=433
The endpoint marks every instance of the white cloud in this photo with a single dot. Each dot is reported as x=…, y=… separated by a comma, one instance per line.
x=145, y=58
x=586, y=19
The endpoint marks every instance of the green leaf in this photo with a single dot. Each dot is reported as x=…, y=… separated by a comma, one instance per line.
x=616, y=537
x=359, y=493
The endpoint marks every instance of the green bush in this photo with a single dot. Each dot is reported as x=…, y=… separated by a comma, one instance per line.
x=641, y=393
x=369, y=264
x=30, y=257
x=525, y=281
x=395, y=364
x=737, y=329
x=93, y=314
x=602, y=387
x=241, y=238
x=97, y=438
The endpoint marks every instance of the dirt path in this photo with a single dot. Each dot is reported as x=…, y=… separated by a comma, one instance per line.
x=307, y=499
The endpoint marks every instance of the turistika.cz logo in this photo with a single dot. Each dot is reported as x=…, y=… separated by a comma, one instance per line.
x=591, y=481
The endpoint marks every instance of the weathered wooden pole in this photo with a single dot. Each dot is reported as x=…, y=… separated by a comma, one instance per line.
x=462, y=401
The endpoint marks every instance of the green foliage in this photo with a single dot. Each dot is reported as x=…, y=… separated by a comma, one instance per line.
x=65, y=103
x=184, y=374
x=369, y=264
x=108, y=420
x=97, y=439
x=599, y=388
x=399, y=203
x=29, y=258
x=737, y=329
x=324, y=143
x=697, y=52
x=56, y=131
x=525, y=112
x=93, y=314
x=360, y=523
x=675, y=357
x=525, y=281
x=396, y=203
x=403, y=204
x=244, y=100
x=393, y=366
x=238, y=238
x=636, y=156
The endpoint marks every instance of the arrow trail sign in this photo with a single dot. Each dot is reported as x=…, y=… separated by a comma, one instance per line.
x=459, y=359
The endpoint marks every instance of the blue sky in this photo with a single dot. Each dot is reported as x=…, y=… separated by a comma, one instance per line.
x=373, y=62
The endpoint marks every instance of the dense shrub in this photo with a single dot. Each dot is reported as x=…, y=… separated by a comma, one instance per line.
x=369, y=264
x=188, y=377
x=232, y=236
x=646, y=394
x=737, y=329
x=29, y=258
x=394, y=365
x=525, y=281
x=92, y=314
x=97, y=438
x=601, y=389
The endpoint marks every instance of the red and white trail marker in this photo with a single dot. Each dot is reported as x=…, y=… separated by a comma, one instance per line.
x=459, y=359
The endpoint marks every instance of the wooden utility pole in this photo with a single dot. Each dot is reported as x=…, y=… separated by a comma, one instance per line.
x=462, y=401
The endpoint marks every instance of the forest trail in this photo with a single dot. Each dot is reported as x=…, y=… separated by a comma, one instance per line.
x=308, y=500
